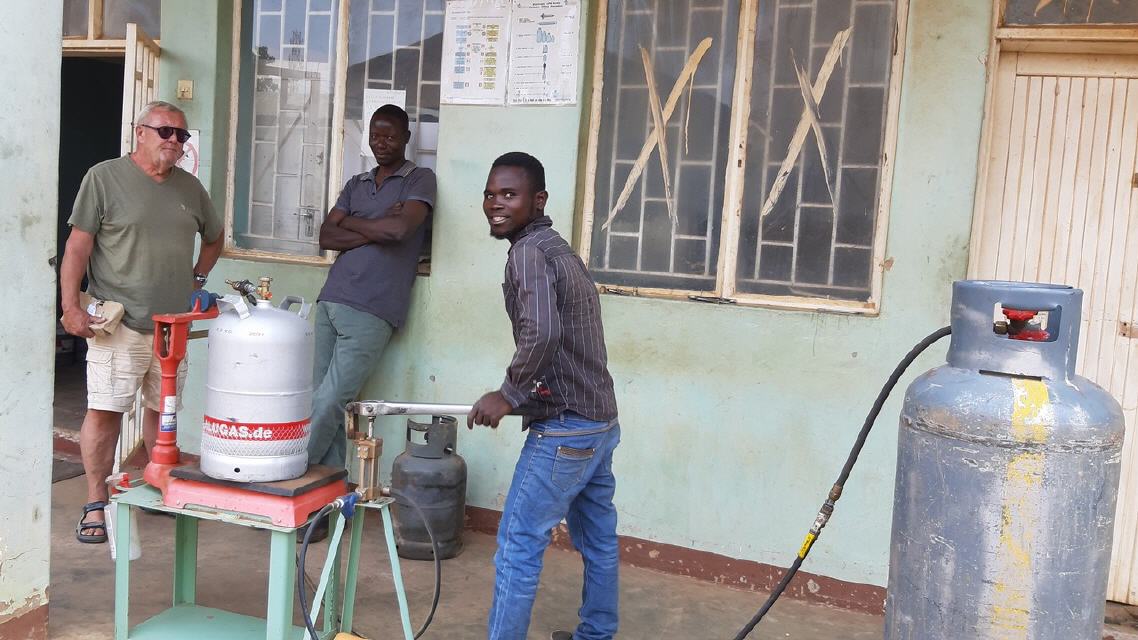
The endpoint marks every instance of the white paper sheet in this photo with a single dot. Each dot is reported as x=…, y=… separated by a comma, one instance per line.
x=543, y=52
x=474, y=52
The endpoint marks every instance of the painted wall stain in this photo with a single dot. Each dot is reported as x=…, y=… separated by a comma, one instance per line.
x=1011, y=580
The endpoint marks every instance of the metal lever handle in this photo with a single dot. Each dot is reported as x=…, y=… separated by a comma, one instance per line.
x=384, y=408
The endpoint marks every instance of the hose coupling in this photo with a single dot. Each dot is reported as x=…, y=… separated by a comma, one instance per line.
x=348, y=504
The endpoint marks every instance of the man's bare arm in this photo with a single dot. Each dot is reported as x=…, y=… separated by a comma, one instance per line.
x=76, y=254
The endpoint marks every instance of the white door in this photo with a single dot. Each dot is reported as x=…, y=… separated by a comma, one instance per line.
x=1057, y=205
x=140, y=79
x=140, y=85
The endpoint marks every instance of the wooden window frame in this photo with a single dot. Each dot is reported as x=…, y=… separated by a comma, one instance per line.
x=335, y=151
x=732, y=212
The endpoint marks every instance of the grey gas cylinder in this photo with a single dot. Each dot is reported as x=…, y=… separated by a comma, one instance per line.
x=433, y=475
x=1007, y=473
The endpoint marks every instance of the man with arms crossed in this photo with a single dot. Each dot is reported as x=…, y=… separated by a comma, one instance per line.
x=378, y=225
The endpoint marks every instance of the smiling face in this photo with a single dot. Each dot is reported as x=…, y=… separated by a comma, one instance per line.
x=160, y=153
x=388, y=140
x=509, y=201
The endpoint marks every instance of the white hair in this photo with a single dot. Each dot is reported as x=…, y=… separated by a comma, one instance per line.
x=156, y=105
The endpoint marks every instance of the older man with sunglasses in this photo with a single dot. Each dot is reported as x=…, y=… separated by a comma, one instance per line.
x=133, y=229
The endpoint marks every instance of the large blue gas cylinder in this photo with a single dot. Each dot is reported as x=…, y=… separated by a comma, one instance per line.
x=1007, y=473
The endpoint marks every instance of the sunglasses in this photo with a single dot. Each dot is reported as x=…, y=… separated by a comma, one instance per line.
x=166, y=132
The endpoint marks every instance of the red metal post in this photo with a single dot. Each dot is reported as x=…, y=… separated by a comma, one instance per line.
x=171, y=333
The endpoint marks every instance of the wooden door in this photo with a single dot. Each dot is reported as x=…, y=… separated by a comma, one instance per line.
x=1056, y=204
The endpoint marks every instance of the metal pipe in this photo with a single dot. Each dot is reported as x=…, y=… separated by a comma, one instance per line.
x=384, y=408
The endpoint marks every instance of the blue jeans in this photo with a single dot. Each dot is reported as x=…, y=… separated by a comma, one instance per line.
x=564, y=471
x=349, y=343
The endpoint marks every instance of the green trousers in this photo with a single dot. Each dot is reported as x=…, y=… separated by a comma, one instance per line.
x=349, y=343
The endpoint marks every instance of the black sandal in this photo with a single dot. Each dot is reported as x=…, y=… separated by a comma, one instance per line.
x=101, y=527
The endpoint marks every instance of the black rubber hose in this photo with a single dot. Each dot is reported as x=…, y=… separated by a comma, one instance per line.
x=836, y=492
x=434, y=553
x=328, y=508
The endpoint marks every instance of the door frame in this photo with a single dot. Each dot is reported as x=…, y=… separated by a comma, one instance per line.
x=140, y=79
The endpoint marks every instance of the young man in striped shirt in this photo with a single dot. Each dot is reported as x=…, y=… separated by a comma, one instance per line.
x=558, y=380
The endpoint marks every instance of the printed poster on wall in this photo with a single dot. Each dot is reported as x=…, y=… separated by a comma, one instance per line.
x=543, y=52
x=474, y=52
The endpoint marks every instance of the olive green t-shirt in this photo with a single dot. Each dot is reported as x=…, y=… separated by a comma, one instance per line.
x=144, y=237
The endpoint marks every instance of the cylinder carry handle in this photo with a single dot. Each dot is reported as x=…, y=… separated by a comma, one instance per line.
x=305, y=307
x=441, y=437
x=1016, y=345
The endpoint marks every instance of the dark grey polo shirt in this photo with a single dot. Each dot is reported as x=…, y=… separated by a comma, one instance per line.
x=377, y=278
x=560, y=363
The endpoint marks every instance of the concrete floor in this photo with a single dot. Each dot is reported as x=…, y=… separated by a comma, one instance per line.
x=233, y=566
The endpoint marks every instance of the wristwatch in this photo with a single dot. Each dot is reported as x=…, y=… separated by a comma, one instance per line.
x=199, y=278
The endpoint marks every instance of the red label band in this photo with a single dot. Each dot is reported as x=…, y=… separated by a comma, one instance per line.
x=253, y=431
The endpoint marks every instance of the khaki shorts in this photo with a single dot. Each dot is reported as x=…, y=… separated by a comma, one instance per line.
x=121, y=363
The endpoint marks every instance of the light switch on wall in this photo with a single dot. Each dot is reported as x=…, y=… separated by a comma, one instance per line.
x=185, y=89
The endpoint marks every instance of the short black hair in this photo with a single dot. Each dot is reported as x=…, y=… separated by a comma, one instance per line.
x=395, y=113
x=524, y=161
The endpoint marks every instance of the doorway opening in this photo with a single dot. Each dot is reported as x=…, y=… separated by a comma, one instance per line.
x=89, y=123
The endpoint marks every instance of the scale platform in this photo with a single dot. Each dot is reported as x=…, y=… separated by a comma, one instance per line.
x=287, y=503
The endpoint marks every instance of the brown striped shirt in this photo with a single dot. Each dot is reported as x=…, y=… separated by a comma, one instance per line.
x=560, y=363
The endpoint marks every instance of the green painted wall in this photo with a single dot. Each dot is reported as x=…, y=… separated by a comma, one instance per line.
x=30, y=32
x=735, y=420
x=197, y=46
